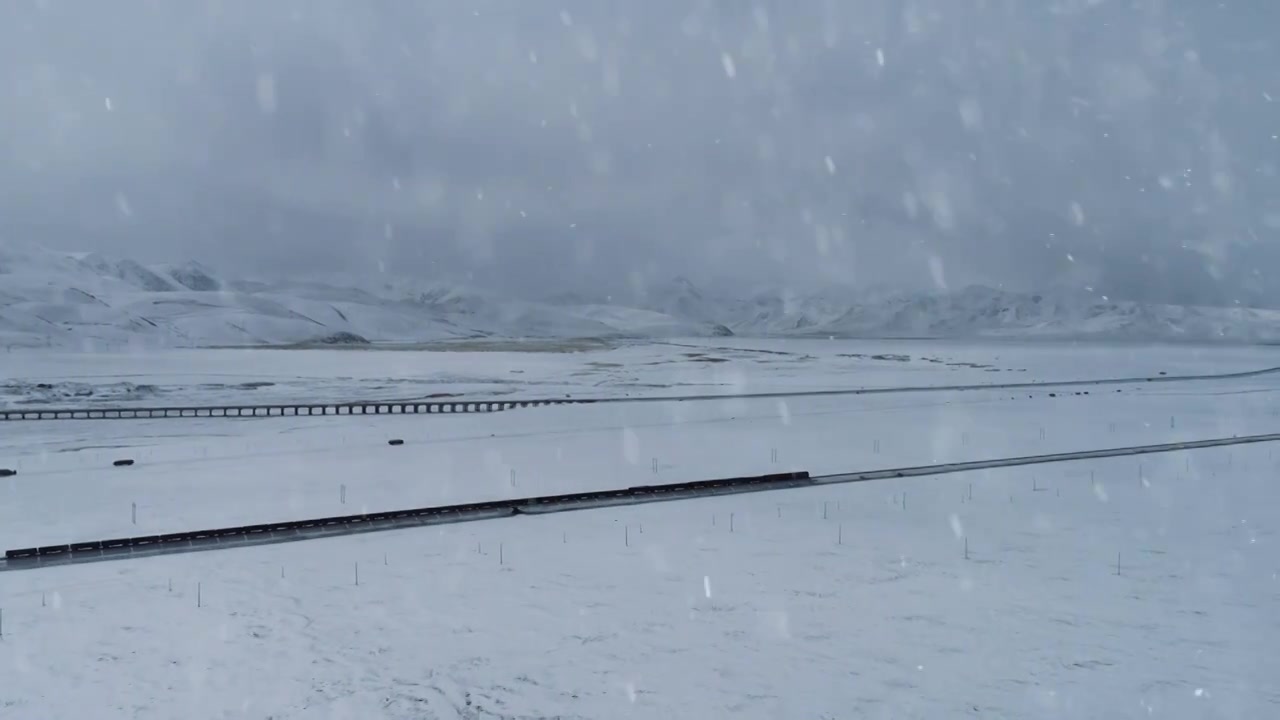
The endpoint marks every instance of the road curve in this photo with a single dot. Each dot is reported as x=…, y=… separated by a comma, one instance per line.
x=417, y=406
x=291, y=531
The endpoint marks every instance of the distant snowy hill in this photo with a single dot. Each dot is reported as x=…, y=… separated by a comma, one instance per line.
x=90, y=301
x=982, y=312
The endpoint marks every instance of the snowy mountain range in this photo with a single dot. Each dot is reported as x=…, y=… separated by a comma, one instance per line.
x=974, y=311
x=91, y=301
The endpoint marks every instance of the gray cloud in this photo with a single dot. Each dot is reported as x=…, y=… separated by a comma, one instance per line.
x=592, y=145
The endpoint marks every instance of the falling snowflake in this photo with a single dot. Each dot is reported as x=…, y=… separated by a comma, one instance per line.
x=730, y=69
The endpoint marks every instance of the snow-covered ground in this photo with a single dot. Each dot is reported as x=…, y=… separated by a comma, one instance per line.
x=213, y=473
x=833, y=602
x=584, y=369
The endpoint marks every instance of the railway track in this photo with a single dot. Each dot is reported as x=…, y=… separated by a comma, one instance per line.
x=296, y=530
x=420, y=406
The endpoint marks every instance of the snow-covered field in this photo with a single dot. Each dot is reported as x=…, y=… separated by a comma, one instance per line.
x=582, y=369
x=843, y=601
x=213, y=473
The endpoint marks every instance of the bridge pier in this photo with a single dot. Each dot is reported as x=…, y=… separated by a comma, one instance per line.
x=451, y=407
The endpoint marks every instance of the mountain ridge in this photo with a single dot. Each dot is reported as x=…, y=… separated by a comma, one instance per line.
x=89, y=300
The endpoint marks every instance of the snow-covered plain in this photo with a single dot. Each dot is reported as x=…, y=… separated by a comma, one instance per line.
x=583, y=369
x=214, y=473
x=843, y=601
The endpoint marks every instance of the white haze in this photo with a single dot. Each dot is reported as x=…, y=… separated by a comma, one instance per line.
x=1129, y=147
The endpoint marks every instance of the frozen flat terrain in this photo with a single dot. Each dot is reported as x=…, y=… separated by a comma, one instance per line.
x=581, y=369
x=213, y=473
x=663, y=612
x=749, y=606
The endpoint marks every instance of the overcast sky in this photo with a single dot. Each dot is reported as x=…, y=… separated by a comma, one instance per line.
x=539, y=147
